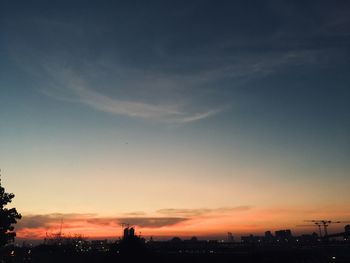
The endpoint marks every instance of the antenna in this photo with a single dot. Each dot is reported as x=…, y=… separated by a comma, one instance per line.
x=60, y=233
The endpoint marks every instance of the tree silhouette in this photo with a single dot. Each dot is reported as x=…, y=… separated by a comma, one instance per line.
x=8, y=217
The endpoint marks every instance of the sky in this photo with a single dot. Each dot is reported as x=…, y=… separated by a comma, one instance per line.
x=179, y=117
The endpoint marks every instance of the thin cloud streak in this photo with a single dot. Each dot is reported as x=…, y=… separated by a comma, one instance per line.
x=202, y=211
x=52, y=221
x=77, y=90
x=199, y=116
x=123, y=107
x=139, y=109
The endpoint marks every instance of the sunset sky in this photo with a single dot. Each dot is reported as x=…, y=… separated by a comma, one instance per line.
x=180, y=117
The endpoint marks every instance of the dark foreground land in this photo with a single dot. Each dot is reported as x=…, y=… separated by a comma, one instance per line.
x=322, y=253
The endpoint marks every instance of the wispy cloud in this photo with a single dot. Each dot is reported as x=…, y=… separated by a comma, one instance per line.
x=199, y=116
x=153, y=222
x=49, y=220
x=202, y=211
x=144, y=222
x=70, y=86
x=123, y=107
x=76, y=221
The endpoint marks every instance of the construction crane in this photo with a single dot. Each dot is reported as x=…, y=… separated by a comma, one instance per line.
x=325, y=224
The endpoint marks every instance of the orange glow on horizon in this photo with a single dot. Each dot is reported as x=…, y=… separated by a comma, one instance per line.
x=252, y=221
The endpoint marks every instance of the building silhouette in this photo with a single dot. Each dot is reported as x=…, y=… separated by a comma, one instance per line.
x=284, y=235
x=129, y=233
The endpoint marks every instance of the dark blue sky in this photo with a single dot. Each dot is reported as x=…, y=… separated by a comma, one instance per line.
x=270, y=63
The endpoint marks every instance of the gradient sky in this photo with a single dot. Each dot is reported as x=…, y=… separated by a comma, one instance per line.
x=180, y=117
